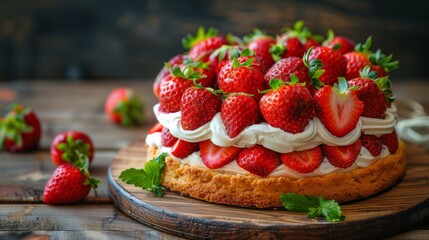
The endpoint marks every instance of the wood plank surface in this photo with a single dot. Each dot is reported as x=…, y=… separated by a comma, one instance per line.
x=399, y=209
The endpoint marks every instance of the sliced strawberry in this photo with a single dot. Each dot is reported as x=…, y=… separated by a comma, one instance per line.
x=303, y=161
x=258, y=160
x=214, y=156
x=342, y=156
x=167, y=140
x=155, y=128
x=391, y=141
x=338, y=108
x=372, y=143
x=182, y=148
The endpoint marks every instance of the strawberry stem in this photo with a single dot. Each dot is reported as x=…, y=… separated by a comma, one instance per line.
x=13, y=125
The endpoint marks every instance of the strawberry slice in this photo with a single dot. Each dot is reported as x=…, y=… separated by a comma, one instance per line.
x=391, y=141
x=167, y=140
x=258, y=160
x=372, y=143
x=214, y=156
x=342, y=156
x=182, y=148
x=155, y=128
x=338, y=108
x=303, y=161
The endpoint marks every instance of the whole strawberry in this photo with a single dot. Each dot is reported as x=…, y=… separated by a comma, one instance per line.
x=68, y=146
x=198, y=106
x=339, y=43
x=260, y=44
x=174, y=85
x=203, y=44
x=288, y=106
x=20, y=130
x=176, y=60
x=238, y=112
x=289, y=47
x=391, y=141
x=167, y=139
x=333, y=62
x=338, y=108
x=304, y=34
x=222, y=55
x=69, y=183
x=243, y=74
x=124, y=106
x=373, y=92
x=258, y=160
x=363, y=56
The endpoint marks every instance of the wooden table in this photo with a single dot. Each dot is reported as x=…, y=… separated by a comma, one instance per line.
x=64, y=106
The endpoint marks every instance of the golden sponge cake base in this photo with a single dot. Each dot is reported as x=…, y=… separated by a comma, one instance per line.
x=254, y=191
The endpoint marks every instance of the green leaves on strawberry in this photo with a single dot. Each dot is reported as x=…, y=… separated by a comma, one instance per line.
x=192, y=40
x=70, y=183
x=20, y=130
x=124, y=106
x=304, y=34
x=147, y=178
x=203, y=44
x=314, y=206
x=288, y=106
x=69, y=146
x=339, y=43
x=338, y=107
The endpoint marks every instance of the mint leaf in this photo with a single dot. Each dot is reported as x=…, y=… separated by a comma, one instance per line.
x=314, y=206
x=149, y=178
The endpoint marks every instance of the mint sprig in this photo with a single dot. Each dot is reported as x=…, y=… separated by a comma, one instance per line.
x=149, y=178
x=314, y=206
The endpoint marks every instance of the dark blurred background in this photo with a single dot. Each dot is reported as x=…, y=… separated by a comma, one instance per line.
x=130, y=39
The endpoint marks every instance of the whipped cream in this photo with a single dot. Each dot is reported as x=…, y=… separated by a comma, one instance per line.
x=273, y=138
x=364, y=159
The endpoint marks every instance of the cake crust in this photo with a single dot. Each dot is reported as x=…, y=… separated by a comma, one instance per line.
x=254, y=191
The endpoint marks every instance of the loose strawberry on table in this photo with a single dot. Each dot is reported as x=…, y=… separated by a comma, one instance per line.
x=288, y=106
x=68, y=146
x=69, y=183
x=20, y=130
x=338, y=108
x=124, y=106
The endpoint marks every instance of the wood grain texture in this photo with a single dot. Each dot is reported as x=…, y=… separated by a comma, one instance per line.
x=391, y=212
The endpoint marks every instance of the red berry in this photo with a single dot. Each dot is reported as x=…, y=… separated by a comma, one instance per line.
x=155, y=128
x=305, y=161
x=333, y=62
x=167, y=140
x=67, y=147
x=261, y=47
x=372, y=143
x=342, y=44
x=214, y=156
x=391, y=141
x=374, y=101
x=124, y=106
x=239, y=112
x=182, y=149
x=342, y=156
x=176, y=60
x=283, y=68
x=258, y=160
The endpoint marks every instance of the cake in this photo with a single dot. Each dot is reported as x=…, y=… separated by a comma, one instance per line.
x=245, y=121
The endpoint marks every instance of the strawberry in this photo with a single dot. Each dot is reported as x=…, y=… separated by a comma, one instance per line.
x=391, y=141
x=214, y=156
x=69, y=183
x=373, y=93
x=155, y=128
x=307, y=71
x=303, y=161
x=222, y=55
x=68, y=146
x=339, y=43
x=198, y=106
x=167, y=140
x=338, y=108
x=243, y=74
x=176, y=60
x=260, y=44
x=174, y=85
x=311, y=43
x=203, y=44
x=288, y=106
x=363, y=56
x=182, y=148
x=290, y=47
x=258, y=160
x=333, y=62
x=238, y=112
x=124, y=106
x=20, y=130
x=307, y=38
x=342, y=156
x=372, y=143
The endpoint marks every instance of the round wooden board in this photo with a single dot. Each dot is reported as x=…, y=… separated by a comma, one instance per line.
x=394, y=211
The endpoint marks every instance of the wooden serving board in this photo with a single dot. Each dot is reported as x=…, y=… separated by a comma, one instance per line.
x=394, y=211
